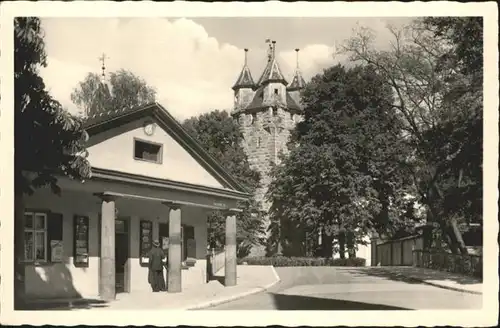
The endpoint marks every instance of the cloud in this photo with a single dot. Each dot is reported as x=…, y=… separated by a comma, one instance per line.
x=192, y=72
x=312, y=59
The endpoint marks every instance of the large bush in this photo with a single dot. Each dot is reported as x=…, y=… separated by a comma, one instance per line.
x=282, y=261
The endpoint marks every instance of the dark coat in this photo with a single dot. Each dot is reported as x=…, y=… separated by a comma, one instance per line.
x=156, y=256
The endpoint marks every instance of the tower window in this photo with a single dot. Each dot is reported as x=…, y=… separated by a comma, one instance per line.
x=254, y=118
x=259, y=141
x=147, y=151
x=275, y=91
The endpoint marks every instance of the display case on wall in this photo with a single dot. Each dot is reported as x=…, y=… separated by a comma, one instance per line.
x=81, y=241
x=146, y=240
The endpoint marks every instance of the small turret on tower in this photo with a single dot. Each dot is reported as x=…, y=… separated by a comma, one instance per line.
x=272, y=81
x=298, y=82
x=244, y=86
x=272, y=71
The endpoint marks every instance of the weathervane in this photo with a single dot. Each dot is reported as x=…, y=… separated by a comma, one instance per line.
x=102, y=60
x=270, y=53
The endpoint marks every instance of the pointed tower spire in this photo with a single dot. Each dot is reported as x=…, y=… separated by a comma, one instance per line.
x=245, y=79
x=297, y=52
x=272, y=71
x=298, y=82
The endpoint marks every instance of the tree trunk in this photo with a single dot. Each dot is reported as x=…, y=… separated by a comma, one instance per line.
x=341, y=239
x=458, y=236
x=450, y=240
x=351, y=250
x=454, y=238
x=19, y=271
x=455, y=234
x=327, y=245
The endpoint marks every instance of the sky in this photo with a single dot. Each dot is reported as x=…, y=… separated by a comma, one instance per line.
x=192, y=62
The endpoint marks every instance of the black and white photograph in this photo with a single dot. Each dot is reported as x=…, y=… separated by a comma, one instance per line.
x=272, y=160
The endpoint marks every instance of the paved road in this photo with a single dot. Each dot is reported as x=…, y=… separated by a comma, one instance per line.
x=326, y=288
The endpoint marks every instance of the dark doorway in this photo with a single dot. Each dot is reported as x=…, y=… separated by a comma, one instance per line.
x=122, y=251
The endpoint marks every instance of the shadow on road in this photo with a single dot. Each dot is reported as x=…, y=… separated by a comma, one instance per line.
x=296, y=302
x=409, y=274
x=64, y=305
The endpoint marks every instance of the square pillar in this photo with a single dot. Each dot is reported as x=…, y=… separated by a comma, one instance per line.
x=174, y=284
x=107, y=261
x=230, y=261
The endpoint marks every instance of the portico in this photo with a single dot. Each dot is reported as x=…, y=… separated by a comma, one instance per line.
x=174, y=284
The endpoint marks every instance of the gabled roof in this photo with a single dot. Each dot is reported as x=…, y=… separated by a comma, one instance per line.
x=245, y=79
x=272, y=73
x=105, y=121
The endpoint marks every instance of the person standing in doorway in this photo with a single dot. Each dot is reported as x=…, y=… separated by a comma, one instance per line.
x=155, y=274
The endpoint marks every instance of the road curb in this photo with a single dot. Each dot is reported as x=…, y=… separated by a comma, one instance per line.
x=236, y=297
x=456, y=289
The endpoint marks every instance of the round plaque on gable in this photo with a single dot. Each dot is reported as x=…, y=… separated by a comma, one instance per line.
x=149, y=128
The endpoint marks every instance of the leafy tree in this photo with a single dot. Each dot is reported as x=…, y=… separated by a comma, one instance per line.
x=433, y=67
x=463, y=99
x=221, y=137
x=126, y=91
x=344, y=167
x=47, y=139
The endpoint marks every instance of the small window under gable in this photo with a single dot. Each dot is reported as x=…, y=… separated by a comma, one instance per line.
x=147, y=151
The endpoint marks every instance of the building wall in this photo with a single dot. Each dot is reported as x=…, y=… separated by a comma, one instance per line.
x=66, y=280
x=243, y=97
x=271, y=94
x=177, y=164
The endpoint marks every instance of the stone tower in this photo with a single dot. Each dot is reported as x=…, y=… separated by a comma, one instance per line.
x=266, y=111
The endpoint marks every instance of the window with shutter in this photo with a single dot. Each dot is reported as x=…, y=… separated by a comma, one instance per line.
x=35, y=236
x=43, y=237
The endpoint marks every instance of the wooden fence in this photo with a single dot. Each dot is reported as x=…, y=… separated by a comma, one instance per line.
x=397, y=252
x=409, y=252
x=471, y=264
